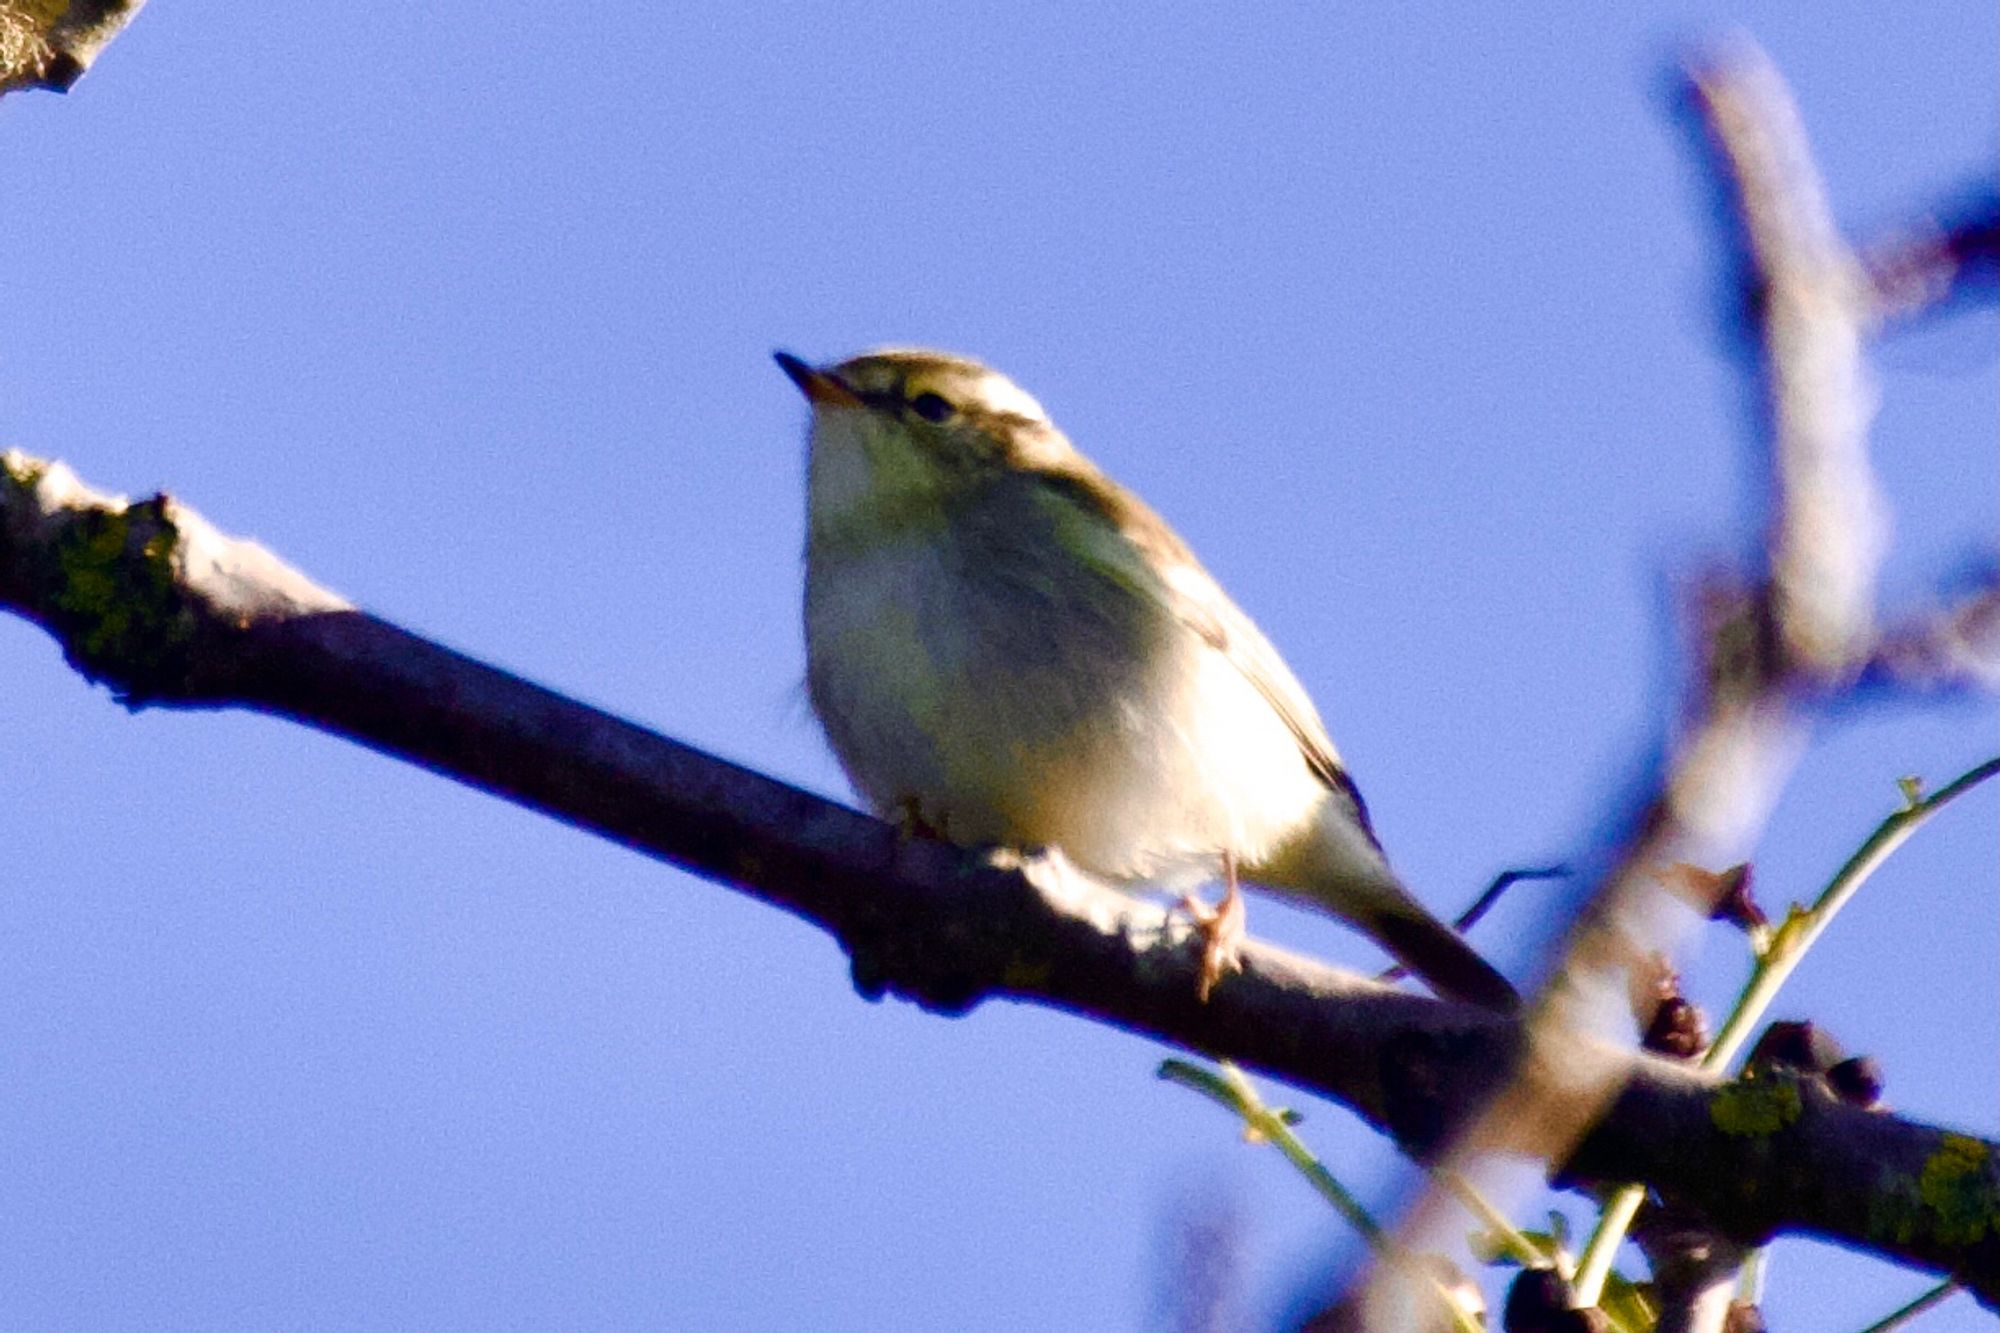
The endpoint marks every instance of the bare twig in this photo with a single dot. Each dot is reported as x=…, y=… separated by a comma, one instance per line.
x=1929, y=265
x=1953, y=648
x=1502, y=882
x=1483, y=904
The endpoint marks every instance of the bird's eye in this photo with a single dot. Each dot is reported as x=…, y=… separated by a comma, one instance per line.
x=932, y=407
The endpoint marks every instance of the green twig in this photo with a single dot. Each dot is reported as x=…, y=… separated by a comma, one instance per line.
x=1750, y=1278
x=1898, y=1317
x=1799, y=932
x=1788, y=946
x=1233, y=1091
x=1512, y=1239
x=1594, y=1265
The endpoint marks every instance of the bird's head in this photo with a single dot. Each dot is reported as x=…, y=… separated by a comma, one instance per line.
x=901, y=430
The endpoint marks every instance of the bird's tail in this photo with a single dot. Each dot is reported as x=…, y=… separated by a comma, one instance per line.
x=1436, y=952
x=1340, y=868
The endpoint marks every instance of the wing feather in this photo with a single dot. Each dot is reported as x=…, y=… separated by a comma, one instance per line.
x=1152, y=561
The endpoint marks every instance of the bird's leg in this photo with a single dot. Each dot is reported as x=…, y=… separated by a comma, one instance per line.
x=1220, y=928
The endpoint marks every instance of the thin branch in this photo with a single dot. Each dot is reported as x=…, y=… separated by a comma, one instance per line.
x=1484, y=903
x=1932, y=265
x=1502, y=882
x=1955, y=648
x=1904, y=1314
x=1233, y=1092
x=151, y=599
x=1795, y=938
x=1693, y=1266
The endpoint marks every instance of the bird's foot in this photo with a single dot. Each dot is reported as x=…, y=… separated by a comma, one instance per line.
x=1221, y=929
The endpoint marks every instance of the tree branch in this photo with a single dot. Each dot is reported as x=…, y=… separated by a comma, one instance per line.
x=152, y=600
x=1772, y=647
x=51, y=45
x=1949, y=649
x=1931, y=265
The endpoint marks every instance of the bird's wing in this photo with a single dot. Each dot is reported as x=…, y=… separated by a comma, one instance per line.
x=1150, y=559
x=1201, y=603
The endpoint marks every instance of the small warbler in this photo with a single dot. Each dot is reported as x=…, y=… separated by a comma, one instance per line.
x=1007, y=647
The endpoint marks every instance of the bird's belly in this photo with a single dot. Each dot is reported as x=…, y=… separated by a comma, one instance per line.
x=994, y=720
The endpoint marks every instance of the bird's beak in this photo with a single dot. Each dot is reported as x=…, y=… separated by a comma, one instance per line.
x=818, y=386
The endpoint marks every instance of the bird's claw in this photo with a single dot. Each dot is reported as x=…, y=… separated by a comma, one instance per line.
x=1221, y=930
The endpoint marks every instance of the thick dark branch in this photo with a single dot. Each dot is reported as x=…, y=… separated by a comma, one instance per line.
x=152, y=600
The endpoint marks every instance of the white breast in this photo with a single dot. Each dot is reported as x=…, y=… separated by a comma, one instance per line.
x=1143, y=756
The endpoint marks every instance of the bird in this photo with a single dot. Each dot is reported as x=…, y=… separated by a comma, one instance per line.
x=1006, y=647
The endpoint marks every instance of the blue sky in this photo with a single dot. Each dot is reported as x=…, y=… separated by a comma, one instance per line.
x=1407, y=318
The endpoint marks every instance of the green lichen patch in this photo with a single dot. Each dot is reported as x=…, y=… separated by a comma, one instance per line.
x=115, y=600
x=1955, y=1197
x=1958, y=1185
x=1756, y=1107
